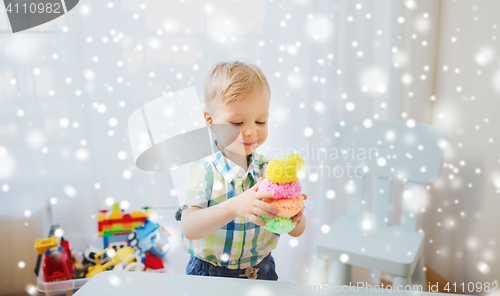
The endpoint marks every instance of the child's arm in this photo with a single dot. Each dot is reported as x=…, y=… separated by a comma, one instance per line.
x=198, y=223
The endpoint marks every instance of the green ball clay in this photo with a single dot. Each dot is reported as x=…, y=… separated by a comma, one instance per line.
x=279, y=225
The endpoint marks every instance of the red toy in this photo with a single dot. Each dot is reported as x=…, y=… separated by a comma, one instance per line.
x=58, y=263
x=152, y=262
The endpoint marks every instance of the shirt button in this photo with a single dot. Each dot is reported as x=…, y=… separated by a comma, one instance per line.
x=240, y=174
x=237, y=239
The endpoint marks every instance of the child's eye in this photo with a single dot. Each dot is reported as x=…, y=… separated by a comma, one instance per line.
x=237, y=123
x=263, y=122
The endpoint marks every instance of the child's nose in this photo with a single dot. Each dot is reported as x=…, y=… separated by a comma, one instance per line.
x=249, y=132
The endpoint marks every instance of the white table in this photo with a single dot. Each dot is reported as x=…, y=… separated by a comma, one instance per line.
x=125, y=283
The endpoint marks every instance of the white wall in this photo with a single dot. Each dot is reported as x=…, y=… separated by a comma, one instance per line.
x=465, y=247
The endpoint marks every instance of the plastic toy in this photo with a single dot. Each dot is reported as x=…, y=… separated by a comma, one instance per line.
x=282, y=178
x=152, y=262
x=52, y=230
x=77, y=263
x=162, y=247
x=136, y=265
x=89, y=254
x=122, y=255
x=58, y=263
x=41, y=245
x=116, y=227
x=149, y=237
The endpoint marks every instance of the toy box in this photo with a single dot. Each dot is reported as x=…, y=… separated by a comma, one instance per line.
x=67, y=274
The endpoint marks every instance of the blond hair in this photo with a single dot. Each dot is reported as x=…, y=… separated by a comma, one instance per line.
x=229, y=80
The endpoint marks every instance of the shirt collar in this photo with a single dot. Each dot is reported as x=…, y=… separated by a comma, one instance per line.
x=229, y=170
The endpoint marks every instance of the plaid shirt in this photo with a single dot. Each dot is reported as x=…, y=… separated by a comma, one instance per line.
x=240, y=243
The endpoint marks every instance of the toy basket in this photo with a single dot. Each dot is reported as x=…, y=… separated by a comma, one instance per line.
x=67, y=287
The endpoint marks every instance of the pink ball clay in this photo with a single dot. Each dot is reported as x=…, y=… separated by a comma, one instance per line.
x=284, y=190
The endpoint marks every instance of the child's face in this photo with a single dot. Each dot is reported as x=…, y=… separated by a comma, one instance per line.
x=249, y=113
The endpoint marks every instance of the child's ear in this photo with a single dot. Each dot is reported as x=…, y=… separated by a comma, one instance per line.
x=208, y=119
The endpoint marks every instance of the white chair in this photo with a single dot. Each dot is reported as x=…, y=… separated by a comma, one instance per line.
x=412, y=153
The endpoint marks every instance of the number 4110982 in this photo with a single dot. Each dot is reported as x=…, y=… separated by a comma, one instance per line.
x=34, y=8
x=471, y=287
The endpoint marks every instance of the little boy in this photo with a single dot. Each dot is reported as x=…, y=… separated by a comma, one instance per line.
x=220, y=227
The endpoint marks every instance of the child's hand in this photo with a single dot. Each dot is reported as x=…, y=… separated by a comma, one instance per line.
x=249, y=204
x=297, y=217
x=301, y=222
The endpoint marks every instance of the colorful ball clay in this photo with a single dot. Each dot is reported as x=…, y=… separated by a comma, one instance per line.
x=288, y=207
x=284, y=190
x=285, y=170
x=279, y=225
x=282, y=178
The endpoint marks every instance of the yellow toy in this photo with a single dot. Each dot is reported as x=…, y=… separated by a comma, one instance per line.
x=42, y=245
x=119, y=256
